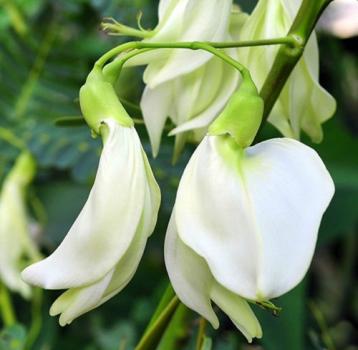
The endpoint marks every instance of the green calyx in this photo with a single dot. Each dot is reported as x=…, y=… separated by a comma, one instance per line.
x=99, y=101
x=242, y=116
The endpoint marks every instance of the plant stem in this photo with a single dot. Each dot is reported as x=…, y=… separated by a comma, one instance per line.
x=36, y=322
x=7, y=311
x=155, y=330
x=201, y=333
x=287, y=57
x=191, y=45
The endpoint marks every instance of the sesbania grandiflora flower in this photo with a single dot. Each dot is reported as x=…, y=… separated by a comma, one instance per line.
x=242, y=226
x=16, y=246
x=102, y=249
x=303, y=103
x=191, y=100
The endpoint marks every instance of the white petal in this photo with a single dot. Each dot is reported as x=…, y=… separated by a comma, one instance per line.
x=220, y=91
x=188, y=20
x=189, y=275
x=238, y=310
x=211, y=220
x=195, y=286
x=107, y=223
x=251, y=220
x=155, y=105
x=77, y=301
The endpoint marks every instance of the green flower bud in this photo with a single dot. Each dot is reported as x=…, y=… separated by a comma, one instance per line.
x=242, y=116
x=99, y=101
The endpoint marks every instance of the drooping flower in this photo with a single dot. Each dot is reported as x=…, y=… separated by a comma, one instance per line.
x=191, y=100
x=102, y=249
x=245, y=213
x=17, y=248
x=303, y=103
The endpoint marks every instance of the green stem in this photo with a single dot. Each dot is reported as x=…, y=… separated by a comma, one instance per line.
x=287, y=57
x=7, y=311
x=36, y=70
x=201, y=333
x=36, y=322
x=155, y=330
x=191, y=45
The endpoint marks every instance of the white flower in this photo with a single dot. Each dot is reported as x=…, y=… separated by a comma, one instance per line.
x=303, y=103
x=102, y=250
x=194, y=99
x=16, y=245
x=252, y=215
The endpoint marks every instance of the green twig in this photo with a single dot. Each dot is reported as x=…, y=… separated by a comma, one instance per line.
x=191, y=45
x=201, y=333
x=322, y=324
x=36, y=322
x=156, y=329
x=35, y=72
x=7, y=311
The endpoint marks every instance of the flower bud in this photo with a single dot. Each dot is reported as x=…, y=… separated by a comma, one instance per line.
x=303, y=103
x=16, y=245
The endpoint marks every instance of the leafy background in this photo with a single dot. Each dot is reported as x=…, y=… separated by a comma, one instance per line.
x=46, y=50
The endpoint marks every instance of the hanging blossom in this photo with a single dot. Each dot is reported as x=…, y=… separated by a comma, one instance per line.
x=191, y=88
x=17, y=248
x=303, y=103
x=242, y=227
x=102, y=249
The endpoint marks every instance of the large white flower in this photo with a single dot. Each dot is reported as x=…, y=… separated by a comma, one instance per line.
x=16, y=246
x=251, y=214
x=102, y=250
x=303, y=103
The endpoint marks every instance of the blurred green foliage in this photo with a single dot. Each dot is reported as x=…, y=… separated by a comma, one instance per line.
x=46, y=50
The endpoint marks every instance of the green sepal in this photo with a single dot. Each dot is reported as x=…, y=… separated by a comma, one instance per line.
x=99, y=101
x=242, y=116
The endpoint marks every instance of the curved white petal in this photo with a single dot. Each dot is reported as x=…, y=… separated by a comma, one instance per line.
x=214, y=93
x=238, y=310
x=189, y=274
x=77, y=301
x=155, y=105
x=195, y=286
x=248, y=216
x=107, y=223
